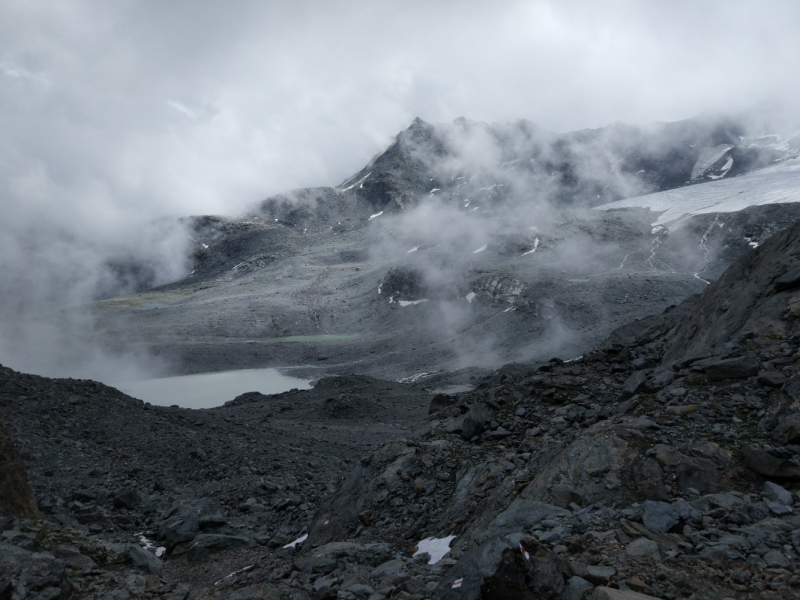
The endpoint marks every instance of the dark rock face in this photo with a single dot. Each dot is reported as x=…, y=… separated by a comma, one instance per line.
x=32, y=574
x=475, y=421
x=739, y=367
x=402, y=283
x=16, y=498
x=741, y=304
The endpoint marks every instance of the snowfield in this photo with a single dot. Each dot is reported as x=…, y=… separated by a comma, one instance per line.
x=772, y=185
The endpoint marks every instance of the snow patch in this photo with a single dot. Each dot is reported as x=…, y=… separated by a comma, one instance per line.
x=299, y=540
x=535, y=246
x=416, y=377
x=436, y=547
x=149, y=545
x=375, y=216
x=724, y=170
x=411, y=302
x=708, y=157
x=242, y=570
x=470, y=297
x=414, y=249
x=481, y=249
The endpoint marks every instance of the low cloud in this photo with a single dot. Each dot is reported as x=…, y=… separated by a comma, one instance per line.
x=120, y=115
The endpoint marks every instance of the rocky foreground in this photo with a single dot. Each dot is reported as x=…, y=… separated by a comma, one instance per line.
x=663, y=464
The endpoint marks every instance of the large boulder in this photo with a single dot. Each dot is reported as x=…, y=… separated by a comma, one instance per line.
x=646, y=330
x=478, y=416
x=738, y=367
x=521, y=515
x=504, y=568
x=601, y=466
x=16, y=498
x=769, y=463
x=187, y=517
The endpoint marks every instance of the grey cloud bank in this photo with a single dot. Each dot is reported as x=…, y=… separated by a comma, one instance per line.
x=118, y=114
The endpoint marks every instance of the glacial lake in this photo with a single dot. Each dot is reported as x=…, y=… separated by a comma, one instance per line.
x=207, y=390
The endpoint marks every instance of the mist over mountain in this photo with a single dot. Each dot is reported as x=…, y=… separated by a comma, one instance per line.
x=459, y=237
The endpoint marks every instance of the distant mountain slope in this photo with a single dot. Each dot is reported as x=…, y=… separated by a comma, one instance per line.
x=468, y=160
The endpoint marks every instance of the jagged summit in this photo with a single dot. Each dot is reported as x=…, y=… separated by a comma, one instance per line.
x=468, y=160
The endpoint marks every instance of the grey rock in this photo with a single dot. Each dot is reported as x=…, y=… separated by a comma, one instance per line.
x=415, y=585
x=795, y=537
x=553, y=535
x=729, y=368
x=145, y=560
x=777, y=508
x=635, y=383
x=687, y=512
x=788, y=280
x=497, y=434
x=521, y=514
x=475, y=420
x=391, y=569
x=643, y=547
x=127, y=498
x=359, y=590
x=33, y=574
x=661, y=378
x=576, y=588
x=441, y=402
x=659, y=516
x=778, y=493
x=536, y=573
x=564, y=494
x=73, y=557
x=472, y=568
x=771, y=378
x=323, y=584
x=187, y=517
x=593, y=465
x=605, y=593
x=720, y=554
x=216, y=542
x=600, y=573
x=787, y=430
x=776, y=558
x=315, y=564
x=764, y=463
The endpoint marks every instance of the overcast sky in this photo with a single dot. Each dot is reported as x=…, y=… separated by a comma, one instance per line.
x=115, y=113
x=113, y=110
